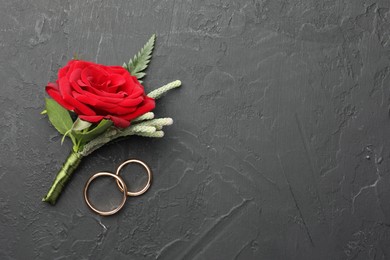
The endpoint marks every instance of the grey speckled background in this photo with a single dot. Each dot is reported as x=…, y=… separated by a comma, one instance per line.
x=280, y=147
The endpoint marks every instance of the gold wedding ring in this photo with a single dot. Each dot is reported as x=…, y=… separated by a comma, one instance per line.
x=124, y=190
x=121, y=184
x=145, y=188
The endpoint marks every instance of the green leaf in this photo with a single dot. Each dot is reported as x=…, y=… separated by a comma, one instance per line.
x=85, y=137
x=140, y=75
x=80, y=125
x=141, y=60
x=58, y=116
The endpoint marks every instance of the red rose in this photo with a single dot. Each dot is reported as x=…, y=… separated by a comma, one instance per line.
x=94, y=91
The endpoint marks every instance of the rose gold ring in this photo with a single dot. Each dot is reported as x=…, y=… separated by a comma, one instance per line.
x=119, y=180
x=145, y=188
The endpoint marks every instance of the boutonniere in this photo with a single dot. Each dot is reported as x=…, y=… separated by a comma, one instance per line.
x=94, y=104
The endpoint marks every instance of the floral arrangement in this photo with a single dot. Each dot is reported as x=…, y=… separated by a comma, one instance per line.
x=94, y=104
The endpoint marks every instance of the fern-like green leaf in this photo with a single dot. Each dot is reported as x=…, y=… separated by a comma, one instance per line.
x=141, y=60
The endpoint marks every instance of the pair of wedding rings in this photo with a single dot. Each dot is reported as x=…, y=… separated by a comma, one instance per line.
x=121, y=185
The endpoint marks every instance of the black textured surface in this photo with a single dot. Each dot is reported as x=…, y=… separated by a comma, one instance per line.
x=280, y=146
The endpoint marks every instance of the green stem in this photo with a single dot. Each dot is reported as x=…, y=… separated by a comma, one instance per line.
x=63, y=177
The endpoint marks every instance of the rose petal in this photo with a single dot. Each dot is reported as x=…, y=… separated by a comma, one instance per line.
x=118, y=122
x=137, y=91
x=94, y=102
x=55, y=94
x=94, y=75
x=147, y=106
x=91, y=119
x=64, y=70
x=116, y=81
x=79, y=107
x=76, y=87
x=103, y=98
x=131, y=102
x=98, y=92
x=120, y=111
x=75, y=75
x=64, y=86
x=131, y=84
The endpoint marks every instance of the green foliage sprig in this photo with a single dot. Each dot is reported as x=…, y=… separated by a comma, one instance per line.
x=140, y=62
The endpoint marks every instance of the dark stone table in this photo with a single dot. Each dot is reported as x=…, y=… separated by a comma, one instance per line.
x=279, y=150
